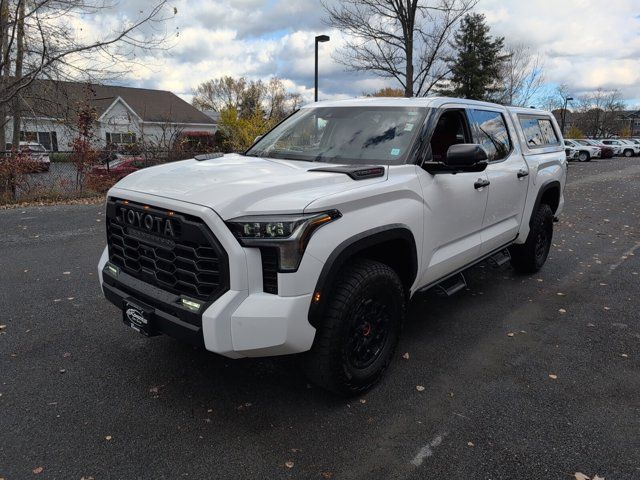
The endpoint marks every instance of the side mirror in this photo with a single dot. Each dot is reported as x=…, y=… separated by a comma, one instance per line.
x=465, y=155
x=462, y=157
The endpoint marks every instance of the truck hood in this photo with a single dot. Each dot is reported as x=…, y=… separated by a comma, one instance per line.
x=235, y=185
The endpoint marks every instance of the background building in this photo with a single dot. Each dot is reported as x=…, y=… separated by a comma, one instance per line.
x=123, y=115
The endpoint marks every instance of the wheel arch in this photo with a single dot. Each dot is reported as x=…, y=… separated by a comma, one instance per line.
x=393, y=245
x=548, y=193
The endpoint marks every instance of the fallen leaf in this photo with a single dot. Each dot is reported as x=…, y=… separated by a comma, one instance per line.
x=66, y=273
x=562, y=310
x=625, y=355
x=2, y=327
x=580, y=476
x=363, y=400
x=470, y=444
x=553, y=376
x=66, y=354
x=38, y=470
x=63, y=370
x=108, y=438
x=420, y=388
x=590, y=325
x=153, y=390
x=597, y=477
x=405, y=355
x=296, y=450
x=560, y=294
x=288, y=464
x=327, y=474
x=510, y=334
x=607, y=308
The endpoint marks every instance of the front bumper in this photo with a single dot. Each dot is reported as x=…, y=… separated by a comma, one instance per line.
x=244, y=321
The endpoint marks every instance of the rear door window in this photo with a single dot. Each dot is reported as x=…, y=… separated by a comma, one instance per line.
x=538, y=131
x=492, y=133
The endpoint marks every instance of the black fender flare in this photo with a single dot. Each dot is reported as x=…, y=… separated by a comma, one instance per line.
x=348, y=249
x=545, y=187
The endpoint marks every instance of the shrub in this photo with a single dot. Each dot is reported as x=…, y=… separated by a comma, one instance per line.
x=574, y=132
x=60, y=157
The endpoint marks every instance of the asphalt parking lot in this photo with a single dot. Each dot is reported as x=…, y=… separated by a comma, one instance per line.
x=524, y=377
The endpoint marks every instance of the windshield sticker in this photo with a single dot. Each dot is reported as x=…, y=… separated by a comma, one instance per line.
x=395, y=152
x=408, y=127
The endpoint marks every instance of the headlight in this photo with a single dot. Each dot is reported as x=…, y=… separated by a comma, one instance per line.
x=289, y=234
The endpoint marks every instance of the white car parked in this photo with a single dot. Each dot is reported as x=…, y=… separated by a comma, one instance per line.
x=616, y=150
x=36, y=155
x=628, y=149
x=572, y=153
x=315, y=239
x=585, y=152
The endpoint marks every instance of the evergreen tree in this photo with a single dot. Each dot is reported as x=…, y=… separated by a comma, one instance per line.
x=476, y=66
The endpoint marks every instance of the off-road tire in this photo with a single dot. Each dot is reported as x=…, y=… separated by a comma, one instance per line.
x=531, y=255
x=334, y=359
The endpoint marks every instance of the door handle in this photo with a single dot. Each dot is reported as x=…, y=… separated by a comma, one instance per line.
x=480, y=183
x=523, y=173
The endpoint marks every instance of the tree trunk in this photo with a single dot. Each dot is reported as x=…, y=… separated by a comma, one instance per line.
x=17, y=105
x=408, y=90
x=6, y=70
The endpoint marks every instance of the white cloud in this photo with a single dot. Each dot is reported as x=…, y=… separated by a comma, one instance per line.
x=586, y=44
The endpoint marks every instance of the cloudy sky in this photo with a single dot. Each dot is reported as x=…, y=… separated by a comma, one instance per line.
x=585, y=43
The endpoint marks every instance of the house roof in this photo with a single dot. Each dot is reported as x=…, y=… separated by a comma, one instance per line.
x=57, y=99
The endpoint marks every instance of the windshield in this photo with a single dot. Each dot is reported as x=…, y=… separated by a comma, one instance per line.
x=345, y=135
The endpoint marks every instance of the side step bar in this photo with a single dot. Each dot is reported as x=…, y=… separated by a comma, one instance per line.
x=452, y=285
x=500, y=258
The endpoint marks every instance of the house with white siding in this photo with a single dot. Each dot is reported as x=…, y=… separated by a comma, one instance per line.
x=123, y=115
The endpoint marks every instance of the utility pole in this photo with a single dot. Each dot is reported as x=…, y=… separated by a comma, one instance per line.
x=564, y=113
x=319, y=39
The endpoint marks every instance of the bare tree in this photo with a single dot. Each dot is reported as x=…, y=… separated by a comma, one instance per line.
x=555, y=99
x=247, y=97
x=521, y=77
x=220, y=93
x=407, y=40
x=41, y=39
x=599, y=113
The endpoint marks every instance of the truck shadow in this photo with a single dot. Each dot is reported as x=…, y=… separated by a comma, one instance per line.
x=204, y=379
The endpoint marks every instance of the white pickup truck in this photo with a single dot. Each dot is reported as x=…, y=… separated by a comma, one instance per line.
x=314, y=240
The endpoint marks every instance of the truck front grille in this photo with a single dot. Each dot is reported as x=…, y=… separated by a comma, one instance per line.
x=170, y=250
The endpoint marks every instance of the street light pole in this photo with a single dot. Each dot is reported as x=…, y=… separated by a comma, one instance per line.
x=564, y=113
x=319, y=39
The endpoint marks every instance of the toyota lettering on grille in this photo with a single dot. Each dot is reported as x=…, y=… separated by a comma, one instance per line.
x=146, y=221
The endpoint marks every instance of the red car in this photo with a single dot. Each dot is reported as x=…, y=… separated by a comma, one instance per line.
x=104, y=176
